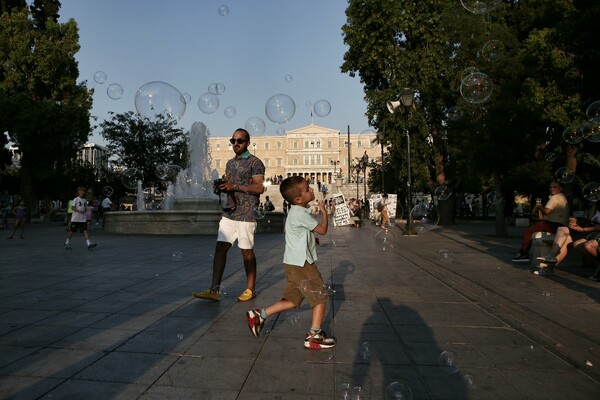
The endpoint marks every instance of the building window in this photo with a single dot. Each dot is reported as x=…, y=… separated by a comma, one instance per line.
x=218, y=146
x=278, y=145
x=266, y=145
x=329, y=144
x=295, y=161
x=218, y=163
x=295, y=144
x=279, y=162
x=267, y=162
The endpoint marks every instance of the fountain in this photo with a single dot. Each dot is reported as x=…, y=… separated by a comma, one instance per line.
x=190, y=207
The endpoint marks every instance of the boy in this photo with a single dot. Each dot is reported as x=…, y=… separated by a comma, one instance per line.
x=299, y=263
x=78, y=219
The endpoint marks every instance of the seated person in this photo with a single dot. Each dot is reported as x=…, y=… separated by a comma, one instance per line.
x=591, y=248
x=554, y=214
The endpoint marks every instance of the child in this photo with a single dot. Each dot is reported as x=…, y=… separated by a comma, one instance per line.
x=78, y=219
x=299, y=263
x=20, y=212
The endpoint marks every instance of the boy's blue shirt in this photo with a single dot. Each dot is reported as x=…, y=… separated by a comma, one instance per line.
x=300, y=243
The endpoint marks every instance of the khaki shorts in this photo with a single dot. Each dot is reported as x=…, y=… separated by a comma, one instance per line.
x=243, y=232
x=294, y=275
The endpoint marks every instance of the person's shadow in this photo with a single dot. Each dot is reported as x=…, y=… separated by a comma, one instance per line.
x=397, y=356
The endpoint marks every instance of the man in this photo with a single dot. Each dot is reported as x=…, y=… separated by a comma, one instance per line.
x=244, y=177
x=106, y=207
x=554, y=214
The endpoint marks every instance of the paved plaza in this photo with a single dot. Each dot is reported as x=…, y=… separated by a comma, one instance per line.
x=119, y=322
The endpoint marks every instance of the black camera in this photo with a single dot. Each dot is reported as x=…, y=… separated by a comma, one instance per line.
x=216, y=183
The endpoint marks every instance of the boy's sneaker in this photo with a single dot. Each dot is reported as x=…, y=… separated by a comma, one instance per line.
x=318, y=340
x=255, y=321
x=67, y=246
x=521, y=258
x=547, y=259
x=91, y=246
x=208, y=295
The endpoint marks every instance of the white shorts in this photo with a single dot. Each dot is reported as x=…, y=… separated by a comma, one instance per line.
x=243, y=232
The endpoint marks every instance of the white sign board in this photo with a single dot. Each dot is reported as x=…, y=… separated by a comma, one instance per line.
x=341, y=215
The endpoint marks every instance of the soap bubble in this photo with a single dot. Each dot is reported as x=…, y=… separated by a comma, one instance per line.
x=255, y=126
x=162, y=170
x=130, y=178
x=313, y=291
x=186, y=98
x=344, y=391
x=480, y=6
x=222, y=290
x=591, y=130
x=469, y=381
x=425, y=217
x=223, y=10
x=468, y=71
x=445, y=255
x=100, y=77
x=564, y=175
x=259, y=212
x=114, y=91
x=216, y=88
x=384, y=239
x=280, y=131
x=230, y=112
x=289, y=78
x=154, y=98
x=593, y=109
x=107, y=191
x=476, y=88
x=398, y=390
x=550, y=157
x=591, y=191
x=492, y=50
x=177, y=255
x=366, y=350
x=447, y=360
x=455, y=113
x=208, y=103
x=494, y=197
x=442, y=192
x=294, y=319
x=572, y=135
x=322, y=108
x=280, y=108
x=366, y=138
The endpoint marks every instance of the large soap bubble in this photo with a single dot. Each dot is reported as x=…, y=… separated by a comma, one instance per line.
x=454, y=113
x=425, y=217
x=476, y=88
x=591, y=130
x=492, y=50
x=158, y=97
x=367, y=139
x=208, y=103
x=564, y=175
x=130, y=178
x=447, y=360
x=255, y=126
x=322, y=108
x=572, y=135
x=442, y=192
x=593, y=109
x=591, y=191
x=114, y=91
x=280, y=108
x=480, y=6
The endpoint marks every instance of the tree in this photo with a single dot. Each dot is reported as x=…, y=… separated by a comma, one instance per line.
x=134, y=141
x=46, y=111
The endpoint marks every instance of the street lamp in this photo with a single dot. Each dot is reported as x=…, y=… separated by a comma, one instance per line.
x=364, y=161
x=334, y=164
x=407, y=102
x=254, y=148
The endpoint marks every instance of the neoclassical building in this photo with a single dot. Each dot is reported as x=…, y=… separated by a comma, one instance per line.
x=317, y=153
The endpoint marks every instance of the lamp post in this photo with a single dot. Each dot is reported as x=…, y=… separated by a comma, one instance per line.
x=364, y=161
x=380, y=138
x=334, y=164
x=254, y=148
x=407, y=102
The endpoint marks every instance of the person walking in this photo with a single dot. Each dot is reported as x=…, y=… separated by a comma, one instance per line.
x=20, y=212
x=243, y=184
x=383, y=209
x=78, y=219
x=107, y=205
x=303, y=277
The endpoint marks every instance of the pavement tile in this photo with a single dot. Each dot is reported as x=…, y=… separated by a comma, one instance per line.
x=52, y=363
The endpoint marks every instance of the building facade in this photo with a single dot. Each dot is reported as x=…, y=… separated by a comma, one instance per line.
x=319, y=154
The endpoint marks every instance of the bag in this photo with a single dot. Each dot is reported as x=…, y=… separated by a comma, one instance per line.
x=379, y=207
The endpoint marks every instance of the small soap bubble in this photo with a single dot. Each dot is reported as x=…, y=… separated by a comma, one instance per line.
x=494, y=197
x=476, y=88
x=384, y=239
x=107, y=191
x=230, y=112
x=222, y=290
x=593, y=109
x=564, y=175
x=216, y=88
x=280, y=131
x=259, y=212
x=288, y=78
x=492, y=50
x=445, y=255
x=186, y=98
x=100, y=77
x=322, y=108
x=366, y=350
x=177, y=255
x=312, y=291
x=572, y=135
x=469, y=381
x=468, y=71
x=223, y=10
x=442, y=192
x=255, y=126
x=208, y=103
x=447, y=360
x=398, y=390
x=180, y=336
x=114, y=91
x=455, y=113
x=550, y=157
x=591, y=130
x=294, y=319
x=344, y=391
x=591, y=191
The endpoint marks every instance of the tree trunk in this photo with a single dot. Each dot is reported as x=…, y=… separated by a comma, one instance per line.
x=501, y=230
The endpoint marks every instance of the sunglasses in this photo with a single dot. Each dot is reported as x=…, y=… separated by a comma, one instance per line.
x=238, y=141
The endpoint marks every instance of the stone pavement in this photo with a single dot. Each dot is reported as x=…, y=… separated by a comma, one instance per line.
x=119, y=322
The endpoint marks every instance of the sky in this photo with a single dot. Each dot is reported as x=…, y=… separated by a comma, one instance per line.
x=188, y=45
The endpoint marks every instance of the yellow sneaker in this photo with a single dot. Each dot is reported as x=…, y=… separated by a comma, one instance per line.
x=247, y=295
x=208, y=295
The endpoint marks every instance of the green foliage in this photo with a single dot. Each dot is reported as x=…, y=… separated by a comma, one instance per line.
x=138, y=142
